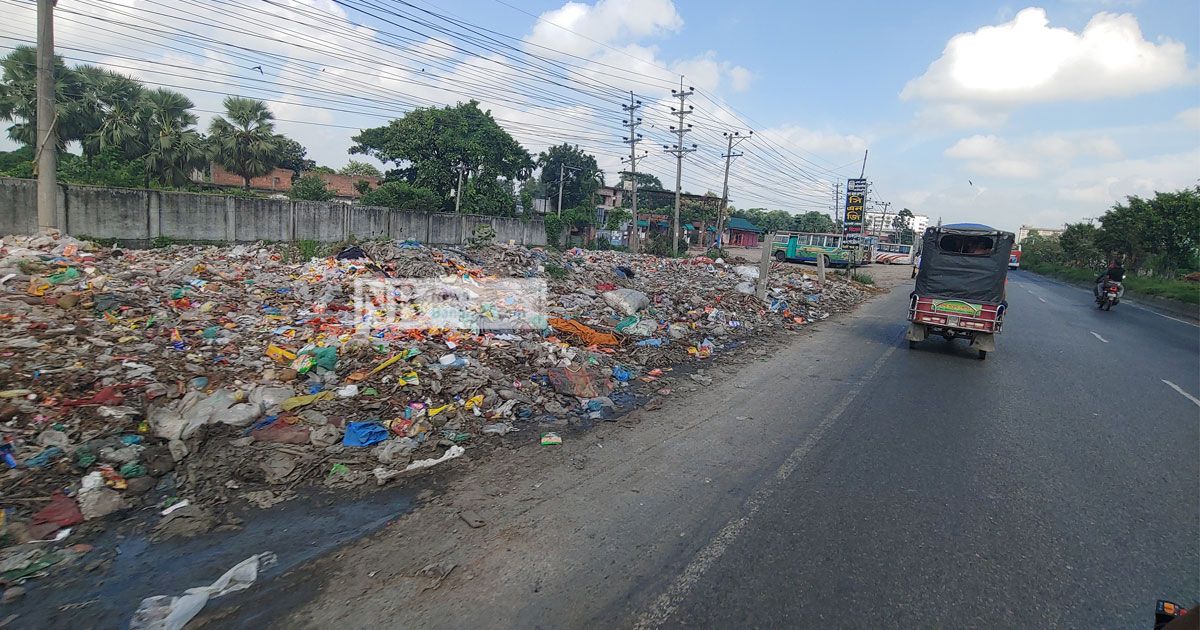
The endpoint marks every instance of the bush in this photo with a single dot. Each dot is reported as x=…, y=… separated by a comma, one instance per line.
x=555, y=271
x=554, y=229
x=311, y=188
x=481, y=236
x=863, y=279
x=402, y=196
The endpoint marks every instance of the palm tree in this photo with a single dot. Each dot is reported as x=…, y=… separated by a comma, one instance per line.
x=173, y=149
x=244, y=142
x=111, y=104
x=18, y=98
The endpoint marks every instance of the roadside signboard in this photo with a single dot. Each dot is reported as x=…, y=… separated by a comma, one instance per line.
x=856, y=194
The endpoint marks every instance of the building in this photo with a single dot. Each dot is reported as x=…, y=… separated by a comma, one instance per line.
x=280, y=181
x=610, y=196
x=741, y=233
x=1026, y=230
x=883, y=225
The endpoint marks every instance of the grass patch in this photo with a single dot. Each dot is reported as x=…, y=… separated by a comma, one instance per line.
x=863, y=279
x=307, y=249
x=1181, y=290
x=555, y=271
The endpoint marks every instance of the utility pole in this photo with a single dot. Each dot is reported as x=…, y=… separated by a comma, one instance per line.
x=837, y=203
x=729, y=155
x=47, y=139
x=458, y=190
x=679, y=151
x=560, y=187
x=634, y=138
x=560, y=184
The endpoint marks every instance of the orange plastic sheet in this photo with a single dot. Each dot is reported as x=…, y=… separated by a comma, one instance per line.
x=588, y=335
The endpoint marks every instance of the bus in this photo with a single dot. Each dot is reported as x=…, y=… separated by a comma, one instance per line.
x=806, y=246
x=894, y=254
x=1014, y=259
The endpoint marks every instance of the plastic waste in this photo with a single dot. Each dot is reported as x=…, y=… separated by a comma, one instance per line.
x=364, y=434
x=621, y=373
x=551, y=439
x=162, y=612
x=452, y=360
x=451, y=453
x=499, y=428
x=626, y=301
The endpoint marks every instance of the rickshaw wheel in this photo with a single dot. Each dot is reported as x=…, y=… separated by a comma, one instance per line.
x=982, y=354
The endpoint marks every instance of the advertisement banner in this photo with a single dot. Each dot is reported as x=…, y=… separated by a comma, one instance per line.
x=856, y=194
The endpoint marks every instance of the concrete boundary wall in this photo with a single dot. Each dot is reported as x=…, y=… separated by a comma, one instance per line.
x=136, y=215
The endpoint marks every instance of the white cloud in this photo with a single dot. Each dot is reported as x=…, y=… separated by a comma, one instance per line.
x=1026, y=60
x=1101, y=185
x=575, y=28
x=960, y=116
x=815, y=141
x=740, y=78
x=1189, y=117
x=1031, y=157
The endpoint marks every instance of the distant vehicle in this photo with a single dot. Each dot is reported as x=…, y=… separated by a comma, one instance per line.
x=894, y=254
x=960, y=290
x=1014, y=259
x=809, y=246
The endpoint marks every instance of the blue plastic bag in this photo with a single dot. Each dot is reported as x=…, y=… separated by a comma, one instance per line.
x=364, y=434
x=621, y=373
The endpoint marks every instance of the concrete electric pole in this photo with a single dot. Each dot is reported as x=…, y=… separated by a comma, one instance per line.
x=634, y=138
x=729, y=155
x=47, y=138
x=678, y=150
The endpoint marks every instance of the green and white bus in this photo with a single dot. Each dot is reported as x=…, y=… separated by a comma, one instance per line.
x=807, y=246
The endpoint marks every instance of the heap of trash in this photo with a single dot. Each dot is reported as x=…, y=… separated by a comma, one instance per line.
x=181, y=378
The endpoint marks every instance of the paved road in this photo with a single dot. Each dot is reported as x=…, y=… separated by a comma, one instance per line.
x=844, y=482
x=1055, y=484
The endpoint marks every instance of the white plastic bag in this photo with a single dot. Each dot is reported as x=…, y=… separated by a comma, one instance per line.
x=163, y=612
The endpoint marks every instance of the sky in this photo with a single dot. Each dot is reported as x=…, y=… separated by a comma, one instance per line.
x=1006, y=114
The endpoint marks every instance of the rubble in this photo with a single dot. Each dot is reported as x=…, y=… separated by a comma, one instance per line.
x=217, y=374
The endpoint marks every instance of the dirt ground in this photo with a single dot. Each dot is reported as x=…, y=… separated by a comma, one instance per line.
x=531, y=523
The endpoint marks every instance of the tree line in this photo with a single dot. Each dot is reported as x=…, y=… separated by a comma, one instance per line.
x=1155, y=237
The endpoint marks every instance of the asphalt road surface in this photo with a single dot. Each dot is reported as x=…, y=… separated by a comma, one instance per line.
x=847, y=481
x=1055, y=484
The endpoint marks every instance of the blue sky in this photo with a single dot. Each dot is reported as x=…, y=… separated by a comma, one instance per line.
x=996, y=112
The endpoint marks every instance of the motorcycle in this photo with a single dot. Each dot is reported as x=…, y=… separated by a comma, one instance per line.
x=1109, y=295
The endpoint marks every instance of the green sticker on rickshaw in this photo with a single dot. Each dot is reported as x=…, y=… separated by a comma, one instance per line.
x=957, y=307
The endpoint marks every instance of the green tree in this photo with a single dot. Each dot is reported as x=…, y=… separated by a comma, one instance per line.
x=1079, y=246
x=292, y=157
x=812, y=221
x=109, y=168
x=489, y=196
x=111, y=112
x=310, y=188
x=1037, y=249
x=903, y=225
x=244, y=141
x=432, y=146
x=172, y=147
x=359, y=169
x=581, y=175
x=17, y=163
x=18, y=98
x=402, y=196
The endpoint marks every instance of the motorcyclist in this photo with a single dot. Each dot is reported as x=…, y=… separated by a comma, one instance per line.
x=1115, y=273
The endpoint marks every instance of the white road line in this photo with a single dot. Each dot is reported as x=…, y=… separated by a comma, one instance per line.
x=1097, y=335
x=1042, y=298
x=1180, y=390
x=659, y=612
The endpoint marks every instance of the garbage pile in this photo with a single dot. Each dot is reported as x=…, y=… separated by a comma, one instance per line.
x=181, y=378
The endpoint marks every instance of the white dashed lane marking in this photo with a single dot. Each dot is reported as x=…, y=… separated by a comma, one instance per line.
x=1183, y=393
x=1097, y=335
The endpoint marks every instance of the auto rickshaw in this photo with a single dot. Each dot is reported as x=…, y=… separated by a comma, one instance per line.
x=960, y=290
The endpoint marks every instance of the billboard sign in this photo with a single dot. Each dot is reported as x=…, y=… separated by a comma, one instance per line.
x=856, y=194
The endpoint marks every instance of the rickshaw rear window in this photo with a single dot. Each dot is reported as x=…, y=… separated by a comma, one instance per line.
x=961, y=244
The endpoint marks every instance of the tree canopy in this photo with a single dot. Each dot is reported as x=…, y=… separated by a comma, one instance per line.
x=581, y=176
x=431, y=146
x=292, y=157
x=359, y=169
x=310, y=188
x=244, y=141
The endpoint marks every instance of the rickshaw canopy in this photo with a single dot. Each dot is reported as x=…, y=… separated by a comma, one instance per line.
x=964, y=261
